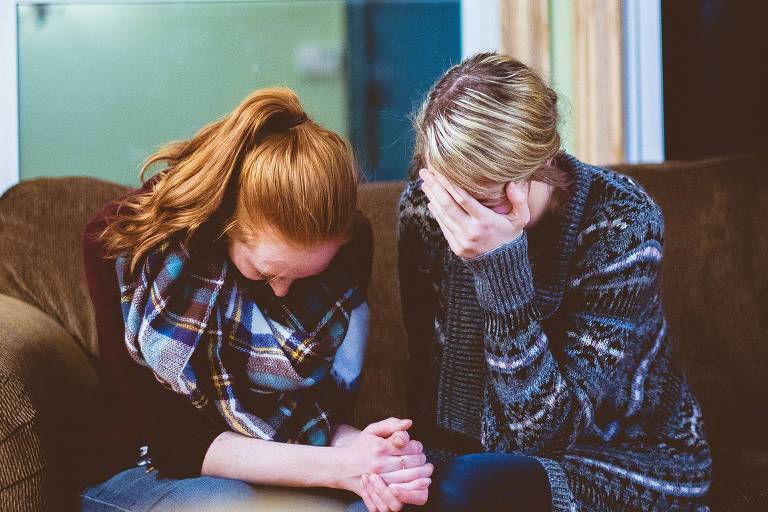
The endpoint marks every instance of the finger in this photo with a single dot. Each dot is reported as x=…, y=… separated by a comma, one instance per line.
x=447, y=232
x=412, y=448
x=439, y=212
x=518, y=200
x=411, y=497
x=413, y=485
x=517, y=197
x=402, y=462
x=436, y=193
x=387, y=427
x=400, y=439
x=377, y=500
x=369, y=504
x=381, y=490
x=408, y=475
x=467, y=203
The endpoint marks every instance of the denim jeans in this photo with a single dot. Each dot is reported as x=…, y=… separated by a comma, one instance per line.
x=485, y=482
x=135, y=490
x=477, y=482
x=482, y=482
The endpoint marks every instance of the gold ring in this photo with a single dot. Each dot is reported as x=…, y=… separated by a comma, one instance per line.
x=402, y=462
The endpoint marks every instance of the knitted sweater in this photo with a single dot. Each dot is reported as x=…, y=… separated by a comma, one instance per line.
x=555, y=345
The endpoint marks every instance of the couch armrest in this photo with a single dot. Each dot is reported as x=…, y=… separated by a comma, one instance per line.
x=45, y=383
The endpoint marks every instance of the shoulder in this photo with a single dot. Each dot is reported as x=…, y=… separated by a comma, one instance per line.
x=620, y=217
x=617, y=203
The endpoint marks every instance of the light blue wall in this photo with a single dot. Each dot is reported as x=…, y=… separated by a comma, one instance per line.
x=103, y=85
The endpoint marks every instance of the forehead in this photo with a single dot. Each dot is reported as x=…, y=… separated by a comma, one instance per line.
x=274, y=256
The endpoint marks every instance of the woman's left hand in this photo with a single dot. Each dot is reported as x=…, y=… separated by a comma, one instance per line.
x=470, y=228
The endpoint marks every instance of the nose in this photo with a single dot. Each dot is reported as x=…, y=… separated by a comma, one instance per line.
x=280, y=286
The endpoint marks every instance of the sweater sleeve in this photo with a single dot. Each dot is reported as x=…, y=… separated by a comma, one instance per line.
x=177, y=434
x=546, y=386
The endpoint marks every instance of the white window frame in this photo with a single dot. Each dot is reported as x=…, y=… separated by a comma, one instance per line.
x=643, y=81
x=480, y=26
x=9, y=96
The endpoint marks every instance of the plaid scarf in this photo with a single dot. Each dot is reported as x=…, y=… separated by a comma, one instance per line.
x=264, y=364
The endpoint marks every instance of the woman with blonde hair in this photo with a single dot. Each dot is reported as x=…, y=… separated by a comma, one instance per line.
x=229, y=293
x=530, y=288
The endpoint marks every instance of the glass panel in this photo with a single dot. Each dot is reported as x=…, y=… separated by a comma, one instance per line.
x=103, y=85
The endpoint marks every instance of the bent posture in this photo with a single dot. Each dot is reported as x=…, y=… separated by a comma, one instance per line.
x=531, y=291
x=230, y=301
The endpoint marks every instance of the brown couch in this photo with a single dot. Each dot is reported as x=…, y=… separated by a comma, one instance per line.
x=54, y=417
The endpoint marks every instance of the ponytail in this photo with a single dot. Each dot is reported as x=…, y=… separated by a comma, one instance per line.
x=202, y=176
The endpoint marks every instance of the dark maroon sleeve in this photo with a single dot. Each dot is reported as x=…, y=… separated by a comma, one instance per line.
x=178, y=435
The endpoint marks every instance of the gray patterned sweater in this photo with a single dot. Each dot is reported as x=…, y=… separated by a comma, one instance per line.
x=555, y=345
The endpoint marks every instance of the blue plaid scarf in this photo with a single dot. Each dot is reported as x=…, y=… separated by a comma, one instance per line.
x=273, y=368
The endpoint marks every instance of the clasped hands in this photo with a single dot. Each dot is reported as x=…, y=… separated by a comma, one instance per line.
x=384, y=466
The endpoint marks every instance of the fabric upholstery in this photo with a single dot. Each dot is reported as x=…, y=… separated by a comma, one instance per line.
x=40, y=261
x=715, y=286
x=46, y=390
x=383, y=387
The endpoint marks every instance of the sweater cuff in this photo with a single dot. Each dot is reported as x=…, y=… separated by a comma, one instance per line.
x=503, y=277
x=562, y=497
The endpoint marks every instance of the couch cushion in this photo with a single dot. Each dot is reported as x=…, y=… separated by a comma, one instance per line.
x=40, y=262
x=715, y=286
x=384, y=378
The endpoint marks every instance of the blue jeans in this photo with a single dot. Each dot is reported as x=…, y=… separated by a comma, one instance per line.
x=490, y=482
x=483, y=482
x=478, y=482
x=135, y=490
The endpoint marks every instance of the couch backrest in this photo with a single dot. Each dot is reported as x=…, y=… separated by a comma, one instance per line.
x=715, y=286
x=40, y=259
x=715, y=283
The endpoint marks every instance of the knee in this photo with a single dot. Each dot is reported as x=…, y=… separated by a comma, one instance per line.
x=224, y=487
x=208, y=493
x=454, y=490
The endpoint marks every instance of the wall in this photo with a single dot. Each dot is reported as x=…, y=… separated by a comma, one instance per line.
x=102, y=86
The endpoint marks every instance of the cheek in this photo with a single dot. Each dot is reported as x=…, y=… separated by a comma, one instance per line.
x=237, y=256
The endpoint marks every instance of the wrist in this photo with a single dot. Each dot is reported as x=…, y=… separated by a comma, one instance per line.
x=339, y=474
x=343, y=435
x=503, y=277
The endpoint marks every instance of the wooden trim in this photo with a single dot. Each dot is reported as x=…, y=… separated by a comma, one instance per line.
x=598, y=104
x=525, y=33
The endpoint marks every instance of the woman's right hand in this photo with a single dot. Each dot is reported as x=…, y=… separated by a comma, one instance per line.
x=384, y=467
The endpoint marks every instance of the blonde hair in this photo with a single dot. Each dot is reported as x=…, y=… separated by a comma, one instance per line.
x=264, y=165
x=489, y=120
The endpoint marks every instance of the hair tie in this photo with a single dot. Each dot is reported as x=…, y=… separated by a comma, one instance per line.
x=283, y=122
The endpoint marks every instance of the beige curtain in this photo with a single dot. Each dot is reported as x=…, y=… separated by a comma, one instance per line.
x=595, y=108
